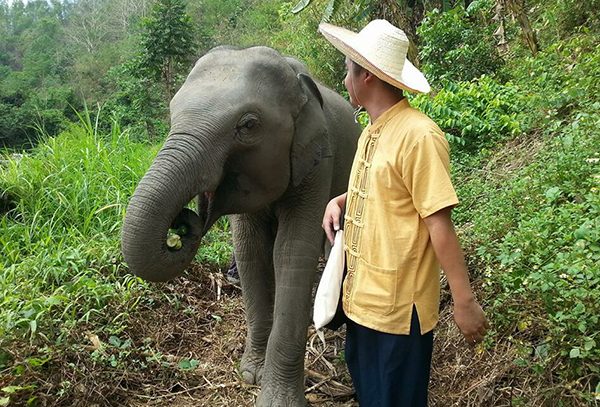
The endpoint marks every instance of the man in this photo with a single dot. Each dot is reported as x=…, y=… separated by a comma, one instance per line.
x=397, y=225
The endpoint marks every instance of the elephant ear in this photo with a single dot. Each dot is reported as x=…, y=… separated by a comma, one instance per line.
x=309, y=145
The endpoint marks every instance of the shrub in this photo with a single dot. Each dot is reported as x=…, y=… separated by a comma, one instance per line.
x=476, y=114
x=457, y=45
x=137, y=103
x=560, y=79
x=567, y=16
x=534, y=235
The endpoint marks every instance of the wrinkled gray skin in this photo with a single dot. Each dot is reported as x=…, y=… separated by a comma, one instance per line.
x=273, y=147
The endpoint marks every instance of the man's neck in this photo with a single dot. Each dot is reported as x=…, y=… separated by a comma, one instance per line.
x=380, y=102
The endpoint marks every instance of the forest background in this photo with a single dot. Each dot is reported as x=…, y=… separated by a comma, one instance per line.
x=84, y=91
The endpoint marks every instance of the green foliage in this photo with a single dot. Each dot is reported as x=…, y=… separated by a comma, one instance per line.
x=477, y=114
x=60, y=263
x=33, y=95
x=561, y=78
x=237, y=22
x=61, y=268
x=137, y=102
x=300, y=38
x=458, y=45
x=536, y=236
x=567, y=16
x=167, y=42
x=216, y=248
x=216, y=21
x=533, y=216
x=302, y=4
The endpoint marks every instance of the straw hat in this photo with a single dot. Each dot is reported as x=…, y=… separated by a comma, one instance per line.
x=381, y=49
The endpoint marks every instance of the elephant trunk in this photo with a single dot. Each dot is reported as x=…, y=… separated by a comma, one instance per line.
x=180, y=171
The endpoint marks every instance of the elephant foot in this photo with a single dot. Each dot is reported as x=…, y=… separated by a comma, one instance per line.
x=251, y=367
x=279, y=396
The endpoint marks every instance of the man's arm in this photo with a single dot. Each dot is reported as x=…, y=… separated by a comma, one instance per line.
x=331, y=218
x=467, y=312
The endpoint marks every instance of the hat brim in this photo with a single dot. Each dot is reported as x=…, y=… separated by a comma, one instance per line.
x=411, y=78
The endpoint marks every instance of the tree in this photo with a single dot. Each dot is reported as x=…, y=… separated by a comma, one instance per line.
x=167, y=42
x=404, y=14
x=518, y=9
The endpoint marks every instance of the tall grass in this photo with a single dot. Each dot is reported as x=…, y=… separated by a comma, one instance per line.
x=61, y=259
x=61, y=268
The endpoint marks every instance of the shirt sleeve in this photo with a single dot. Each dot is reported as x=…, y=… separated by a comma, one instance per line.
x=426, y=174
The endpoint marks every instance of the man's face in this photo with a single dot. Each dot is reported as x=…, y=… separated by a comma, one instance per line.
x=349, y=82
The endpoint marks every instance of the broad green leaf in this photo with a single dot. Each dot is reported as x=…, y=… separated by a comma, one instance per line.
x=114, y=340
x=300, y=6
x=12, y=389
x=553, y=193
x=589, y=344
x=188, y=364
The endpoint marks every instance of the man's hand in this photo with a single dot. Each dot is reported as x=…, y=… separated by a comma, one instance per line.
x=467, y=312
x=331, y=218
x=471, y=321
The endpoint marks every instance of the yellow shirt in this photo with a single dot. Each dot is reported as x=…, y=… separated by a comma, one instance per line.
x=400, y=175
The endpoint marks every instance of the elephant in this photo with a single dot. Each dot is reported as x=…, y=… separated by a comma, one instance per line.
x=253, y=137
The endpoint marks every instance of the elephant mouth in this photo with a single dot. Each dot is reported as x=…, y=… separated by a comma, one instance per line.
x=190, y=226
x=206, y=202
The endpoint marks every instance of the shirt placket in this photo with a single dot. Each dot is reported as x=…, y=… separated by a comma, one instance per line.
x=356, y=207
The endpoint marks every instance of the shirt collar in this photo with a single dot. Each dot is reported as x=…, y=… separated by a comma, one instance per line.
x=385, y=117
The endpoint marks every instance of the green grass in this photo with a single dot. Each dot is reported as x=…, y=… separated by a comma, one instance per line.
x=61, y=259
x=61, y=268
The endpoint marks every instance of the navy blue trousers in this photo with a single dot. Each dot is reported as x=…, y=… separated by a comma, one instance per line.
x=389, y=370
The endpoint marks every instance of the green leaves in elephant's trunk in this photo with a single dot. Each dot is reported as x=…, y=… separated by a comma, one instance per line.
x=181, y=230
x=160, y=237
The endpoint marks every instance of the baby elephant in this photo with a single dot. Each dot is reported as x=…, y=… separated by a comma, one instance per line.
x=254, y=137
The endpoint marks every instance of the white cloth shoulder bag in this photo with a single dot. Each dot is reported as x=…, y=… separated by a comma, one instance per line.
x=330, y=286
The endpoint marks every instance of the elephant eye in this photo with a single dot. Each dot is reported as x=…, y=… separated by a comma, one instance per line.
x=250, y=123
x=244, y=128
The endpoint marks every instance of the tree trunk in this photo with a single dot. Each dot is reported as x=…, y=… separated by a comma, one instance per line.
x=500, y=33
x=517, y=8
x=168, y=77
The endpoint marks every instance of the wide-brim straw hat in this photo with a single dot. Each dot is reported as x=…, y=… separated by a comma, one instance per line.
x=380, y=48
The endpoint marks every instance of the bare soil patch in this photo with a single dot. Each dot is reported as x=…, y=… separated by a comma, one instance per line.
x=185, y=341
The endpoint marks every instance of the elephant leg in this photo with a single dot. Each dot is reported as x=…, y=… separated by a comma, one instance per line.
x=296, y=252
x=253, y=238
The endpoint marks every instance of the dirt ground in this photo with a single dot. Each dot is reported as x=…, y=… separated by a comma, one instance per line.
x=461, y=376
x=183, y=345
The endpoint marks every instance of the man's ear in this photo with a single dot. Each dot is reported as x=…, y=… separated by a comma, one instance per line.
x=310, y=130
x=367, y=77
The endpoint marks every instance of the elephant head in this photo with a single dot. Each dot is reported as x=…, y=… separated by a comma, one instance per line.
x=245, y=128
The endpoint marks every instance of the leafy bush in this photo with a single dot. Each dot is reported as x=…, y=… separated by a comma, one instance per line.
x=458, y=45
x=476, y=114
x=567, y=16
x=535, y=235
x=530, y=211
x=561, y=78
x=24, y=110
x=300, y=38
